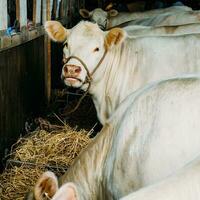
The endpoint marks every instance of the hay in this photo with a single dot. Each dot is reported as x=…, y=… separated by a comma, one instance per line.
x=17, y=181
x=37, y=152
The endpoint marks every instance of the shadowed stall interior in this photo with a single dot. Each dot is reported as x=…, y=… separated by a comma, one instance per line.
x=21, y=89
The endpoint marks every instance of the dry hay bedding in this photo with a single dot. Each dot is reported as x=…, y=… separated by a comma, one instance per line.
x=39, y=151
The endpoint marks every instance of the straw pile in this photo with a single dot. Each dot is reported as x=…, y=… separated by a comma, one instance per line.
x=39, y=151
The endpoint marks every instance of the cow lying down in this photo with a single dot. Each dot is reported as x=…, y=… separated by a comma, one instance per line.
x=118, y=64
x=153, y=133
x=183, y=185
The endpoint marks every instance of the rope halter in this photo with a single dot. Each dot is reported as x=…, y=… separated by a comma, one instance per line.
x=88, y=78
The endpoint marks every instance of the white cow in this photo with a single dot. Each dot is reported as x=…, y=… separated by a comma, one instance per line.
x=137, y=30
x=109, y=19
x=153, y=133
x=128, y=64
x=183, y=185
x=165, y=20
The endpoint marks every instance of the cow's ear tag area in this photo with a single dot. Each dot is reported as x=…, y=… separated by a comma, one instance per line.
x=56, y=31
x=67, y=192
x=114, y=37
x=85, y=13
x=47, y=185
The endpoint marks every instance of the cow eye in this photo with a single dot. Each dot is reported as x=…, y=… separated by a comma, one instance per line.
x=96, y=49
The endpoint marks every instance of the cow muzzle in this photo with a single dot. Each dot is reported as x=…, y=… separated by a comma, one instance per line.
x=71, y=72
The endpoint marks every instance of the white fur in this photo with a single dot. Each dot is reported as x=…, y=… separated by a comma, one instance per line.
x=67, y=191
x=152, y=134
x=141, y=31
x=182, y=185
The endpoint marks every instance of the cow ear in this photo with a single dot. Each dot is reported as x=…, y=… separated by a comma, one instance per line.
x=114, y=37
x=47, y=185
x=113, y=13
x=67, y=192
x=56, y=31
x=85, y=13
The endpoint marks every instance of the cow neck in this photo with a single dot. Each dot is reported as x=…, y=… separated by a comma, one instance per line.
x=87, y=80
x=87, y=169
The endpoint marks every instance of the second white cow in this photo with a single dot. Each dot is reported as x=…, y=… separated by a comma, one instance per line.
x=109, y=19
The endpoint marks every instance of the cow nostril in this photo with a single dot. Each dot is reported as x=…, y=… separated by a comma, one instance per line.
x=65, y=69
x=78, y=70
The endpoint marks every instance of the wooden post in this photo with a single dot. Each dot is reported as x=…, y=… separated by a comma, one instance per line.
x=47, y=50
x=54, y=9
x=37, y=12
x=21, y=13
x=3, y=15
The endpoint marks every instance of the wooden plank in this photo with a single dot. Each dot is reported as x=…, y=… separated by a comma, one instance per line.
x=54, y=9
x=61, y=9
x=8, y=42
x=5, y=41
x=47, y=53
x=22, y=66
x=3, y=15
x=66, y=11
x=21, y=13
x=34, y=12
x=37, y=5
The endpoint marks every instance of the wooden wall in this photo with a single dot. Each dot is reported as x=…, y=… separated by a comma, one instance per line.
x=22, y=92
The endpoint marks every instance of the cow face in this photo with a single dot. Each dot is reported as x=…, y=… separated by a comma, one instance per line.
x=47, y=187
x=98, y=16
x=88, y=43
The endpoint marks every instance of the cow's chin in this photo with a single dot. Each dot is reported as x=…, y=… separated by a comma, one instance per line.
x=73, y=82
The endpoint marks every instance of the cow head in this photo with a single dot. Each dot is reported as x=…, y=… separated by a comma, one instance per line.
x=98, y=16
x=47, y=187
x=87, y=42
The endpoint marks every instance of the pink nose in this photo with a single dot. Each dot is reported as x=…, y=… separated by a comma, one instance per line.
x=71, y=70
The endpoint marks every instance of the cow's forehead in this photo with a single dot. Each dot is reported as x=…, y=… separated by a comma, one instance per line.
x=98, y=12
x=86, y=30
